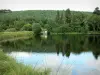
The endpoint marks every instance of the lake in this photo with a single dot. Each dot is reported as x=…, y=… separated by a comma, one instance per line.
x=63, y=54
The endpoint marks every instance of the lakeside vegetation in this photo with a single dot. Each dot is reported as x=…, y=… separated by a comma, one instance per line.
x=15, y=35
x=9, y=66
x=55, y=21
x=10, y=36
x=5, y=36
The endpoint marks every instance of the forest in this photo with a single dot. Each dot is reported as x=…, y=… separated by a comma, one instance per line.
x=55, y=21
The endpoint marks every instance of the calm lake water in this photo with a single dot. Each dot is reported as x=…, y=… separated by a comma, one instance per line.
x=63, y=54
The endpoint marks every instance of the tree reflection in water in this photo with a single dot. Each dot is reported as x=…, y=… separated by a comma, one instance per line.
x=65, y=44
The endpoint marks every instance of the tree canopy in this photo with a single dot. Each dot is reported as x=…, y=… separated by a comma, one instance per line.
x=61, y=21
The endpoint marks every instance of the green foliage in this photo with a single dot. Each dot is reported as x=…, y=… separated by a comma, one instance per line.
x=36, y=28
x=52, y=23
x=68, y=16
x=8, y=66
x=10, y=30
x=96, y=11
x=15, y=35
x=19, y=24
x=94, y=23
x=58, y=17
x=63, y=28
x=5, y=11
x=61, y=20
x=3, y=26
x=48, y=27
x=27, y=27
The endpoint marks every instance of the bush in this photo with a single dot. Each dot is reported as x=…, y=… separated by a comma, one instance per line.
x=27, y=27
x=19, y=24
x=10, y=30
x=36, y=28
x=63, y=28
x=48, y=27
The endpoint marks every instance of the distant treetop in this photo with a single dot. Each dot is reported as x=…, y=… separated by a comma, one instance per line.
x=5, y=11
x=96, y=11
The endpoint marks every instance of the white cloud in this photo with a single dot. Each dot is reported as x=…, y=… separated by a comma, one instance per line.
x=20, y=54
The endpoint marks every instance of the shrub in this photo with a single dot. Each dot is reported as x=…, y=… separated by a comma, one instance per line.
x=36, y=28
x=19, y=24
x=27, y=27
x=10, y=30
x=48, y=27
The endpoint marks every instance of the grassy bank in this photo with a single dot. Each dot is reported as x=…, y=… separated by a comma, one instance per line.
x=15, y=35
x=27, y=34
x=89, y=33
x=67, y=33
x=8, y=66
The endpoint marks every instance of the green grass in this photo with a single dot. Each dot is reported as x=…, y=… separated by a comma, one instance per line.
x=90, y=32
x=69, y=33
x=8, y=66
x=15, y=35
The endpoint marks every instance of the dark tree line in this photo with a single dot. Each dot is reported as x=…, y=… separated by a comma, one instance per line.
x=96, y=11
x=71, y=22
x=94, y=20
x=5, y=11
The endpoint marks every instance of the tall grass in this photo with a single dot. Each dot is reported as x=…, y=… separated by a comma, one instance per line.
x=15, y=35
x=8, y=66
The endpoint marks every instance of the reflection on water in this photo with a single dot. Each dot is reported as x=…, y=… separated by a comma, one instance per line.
x=80, y=64
x=66, y=54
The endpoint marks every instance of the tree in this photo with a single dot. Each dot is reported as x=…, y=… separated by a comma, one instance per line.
x=96, y=11
x=79, y=22
x=3, y=26
x=5, y=11
x=48, y=27
x=94, y=20
x=62, y=18
x=44, y=20
x=94, y=23
x=19, y=24
x=52, y=23
x=36, y=28
x=57, y=17
x=67, y=16
x=63, y=28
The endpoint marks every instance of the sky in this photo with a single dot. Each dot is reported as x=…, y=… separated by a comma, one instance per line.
x=77, y=5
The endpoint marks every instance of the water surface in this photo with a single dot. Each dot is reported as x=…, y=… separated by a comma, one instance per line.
x=63, y=54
